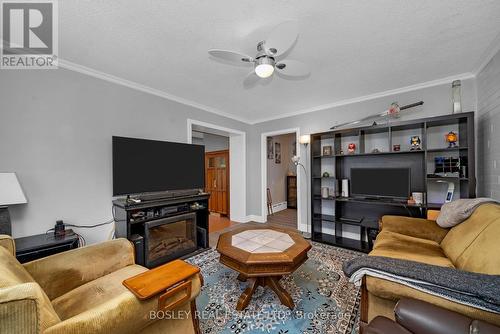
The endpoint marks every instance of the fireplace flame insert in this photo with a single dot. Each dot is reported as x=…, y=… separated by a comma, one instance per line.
x=169, y=238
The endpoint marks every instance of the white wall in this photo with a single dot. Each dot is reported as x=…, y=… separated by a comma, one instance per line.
x=488, y=145
x=55, y=132
x=437, y=101
x=276, y=173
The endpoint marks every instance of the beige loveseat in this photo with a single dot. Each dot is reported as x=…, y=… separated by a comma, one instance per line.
x=81, y=291
x=473, y=245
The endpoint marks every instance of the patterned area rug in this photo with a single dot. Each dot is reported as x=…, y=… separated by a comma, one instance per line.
x=325, y=302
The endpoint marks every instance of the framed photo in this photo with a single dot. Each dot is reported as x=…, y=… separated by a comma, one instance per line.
x=277, y=153
x=270, y=151
x=327, y=150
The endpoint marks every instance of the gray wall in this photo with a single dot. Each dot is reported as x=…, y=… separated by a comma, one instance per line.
x=488, y=101
x=210, y=141
x=56, y=128
x=55, y=132
x=437, y=101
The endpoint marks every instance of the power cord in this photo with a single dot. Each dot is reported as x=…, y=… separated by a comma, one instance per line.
x=81, y=240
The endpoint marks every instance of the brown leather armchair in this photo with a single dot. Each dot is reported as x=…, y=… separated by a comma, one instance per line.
x=418, y=317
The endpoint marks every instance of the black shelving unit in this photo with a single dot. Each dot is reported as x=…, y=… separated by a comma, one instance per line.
x=327, y=212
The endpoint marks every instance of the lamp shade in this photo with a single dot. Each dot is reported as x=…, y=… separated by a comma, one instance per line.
x=304, y=139
x=10, y=190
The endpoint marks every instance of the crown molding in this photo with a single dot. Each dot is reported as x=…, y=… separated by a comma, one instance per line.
x=149, y=90
x=487, y=55
x=427, y=84
x=145, y=89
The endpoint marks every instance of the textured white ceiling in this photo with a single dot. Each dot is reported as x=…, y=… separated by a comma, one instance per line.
x=354, y=48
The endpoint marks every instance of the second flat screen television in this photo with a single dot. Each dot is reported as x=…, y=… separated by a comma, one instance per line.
x=380, y=182
x=141, y=165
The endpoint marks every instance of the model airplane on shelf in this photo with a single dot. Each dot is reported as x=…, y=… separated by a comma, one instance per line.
x=393, y=112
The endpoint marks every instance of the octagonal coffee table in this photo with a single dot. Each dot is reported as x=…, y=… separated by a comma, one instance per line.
x=262, y=256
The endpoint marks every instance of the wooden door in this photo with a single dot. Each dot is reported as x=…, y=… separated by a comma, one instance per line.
x=217, y=181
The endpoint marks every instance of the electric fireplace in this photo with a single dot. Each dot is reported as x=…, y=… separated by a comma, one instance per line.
x=169, y=238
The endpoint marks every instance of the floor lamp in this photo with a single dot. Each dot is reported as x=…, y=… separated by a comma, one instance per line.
x=304, y=140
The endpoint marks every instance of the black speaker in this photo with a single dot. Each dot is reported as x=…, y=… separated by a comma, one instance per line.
x=201, y=236
x=138, y=241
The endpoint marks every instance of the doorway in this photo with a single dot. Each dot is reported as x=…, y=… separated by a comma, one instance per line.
x=225, y=172
x=217, y=181
x=280, y=180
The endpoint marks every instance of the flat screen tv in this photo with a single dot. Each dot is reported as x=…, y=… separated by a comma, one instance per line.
x=141, y=166
x=380, y=182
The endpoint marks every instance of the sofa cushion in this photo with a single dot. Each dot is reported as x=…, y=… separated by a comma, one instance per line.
x=399, y=246
x=473, y=245
x=95, y=293
x=414, y=227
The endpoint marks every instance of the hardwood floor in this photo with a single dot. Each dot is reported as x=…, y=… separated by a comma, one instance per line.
x=284, y=218
x=281, y=219
x=217, y=223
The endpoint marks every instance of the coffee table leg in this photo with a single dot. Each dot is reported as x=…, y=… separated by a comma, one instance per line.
x=283, y=295
x=246, y=296
x=242, y=278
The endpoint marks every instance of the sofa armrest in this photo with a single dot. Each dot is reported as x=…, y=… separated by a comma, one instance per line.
x=24, y=308
x=414, y=227
x=126, y=314
x=421, y=318
x=7, y=242
x=60, y=273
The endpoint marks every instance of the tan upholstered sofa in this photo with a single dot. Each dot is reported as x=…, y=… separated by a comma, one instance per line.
x=81, y=291
x=473, y=245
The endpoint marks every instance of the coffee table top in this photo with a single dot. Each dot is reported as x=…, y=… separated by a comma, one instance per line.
x=262, y=251
x=262, y=241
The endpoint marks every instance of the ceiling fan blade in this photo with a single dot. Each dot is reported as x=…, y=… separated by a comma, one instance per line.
x=281, y=39
x=293, y=68
x=230, y=55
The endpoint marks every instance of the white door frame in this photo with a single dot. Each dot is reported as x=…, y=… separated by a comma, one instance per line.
x=237, y=172
x=263, y=170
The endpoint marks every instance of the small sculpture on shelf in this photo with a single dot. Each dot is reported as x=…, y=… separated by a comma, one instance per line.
x=451, y=138
x=396, y=147
x=375, y=150
x=415, y=143
x=327, y=150
x=351, y=148
x=326, y=174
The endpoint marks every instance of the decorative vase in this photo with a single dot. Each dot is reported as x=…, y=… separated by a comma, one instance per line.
x=456, y=96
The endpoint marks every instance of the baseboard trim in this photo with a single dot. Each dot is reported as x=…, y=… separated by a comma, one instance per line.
x=280, y=206
x=255, y=218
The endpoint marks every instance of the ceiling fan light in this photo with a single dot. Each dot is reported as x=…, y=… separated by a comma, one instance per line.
x=264, y=70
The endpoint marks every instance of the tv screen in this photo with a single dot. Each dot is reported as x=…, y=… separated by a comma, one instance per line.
x=141, y=165
x=380, y=182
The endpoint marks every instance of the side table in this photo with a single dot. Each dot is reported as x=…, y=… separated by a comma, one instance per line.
x=372, y=228
x=41, y=245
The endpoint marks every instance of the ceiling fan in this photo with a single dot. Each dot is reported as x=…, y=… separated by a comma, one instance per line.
x=269, y=51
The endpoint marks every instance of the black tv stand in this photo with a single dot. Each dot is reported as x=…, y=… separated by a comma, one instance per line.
x=155, y=196
x=134, y=218
x=387, y=145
